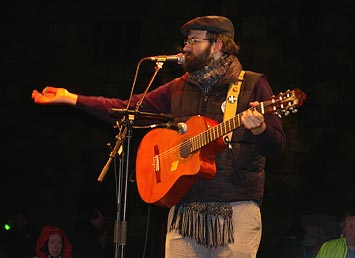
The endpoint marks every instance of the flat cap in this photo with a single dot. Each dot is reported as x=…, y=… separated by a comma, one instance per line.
x=219, y=24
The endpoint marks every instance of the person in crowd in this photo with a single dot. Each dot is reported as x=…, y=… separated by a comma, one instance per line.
x=219, y=215
x=291, y=244
x=92, y=238
x=20, y=239
x=344, y=246
x=53, y=243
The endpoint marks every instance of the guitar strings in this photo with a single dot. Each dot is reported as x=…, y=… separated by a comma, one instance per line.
x=196, y=142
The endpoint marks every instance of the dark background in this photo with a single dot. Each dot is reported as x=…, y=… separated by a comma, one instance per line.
x=52, y=155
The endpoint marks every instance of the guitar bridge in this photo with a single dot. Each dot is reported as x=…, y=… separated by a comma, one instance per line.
x=156, y=164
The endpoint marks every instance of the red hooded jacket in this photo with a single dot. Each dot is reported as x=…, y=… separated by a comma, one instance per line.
x=43, y=238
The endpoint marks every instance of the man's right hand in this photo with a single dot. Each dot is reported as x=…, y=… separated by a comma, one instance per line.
x=53, y=95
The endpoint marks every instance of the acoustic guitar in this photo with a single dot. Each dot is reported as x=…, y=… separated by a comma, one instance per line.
x=169, y=163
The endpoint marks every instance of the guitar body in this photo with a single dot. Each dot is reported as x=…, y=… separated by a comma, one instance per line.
x=165, y=170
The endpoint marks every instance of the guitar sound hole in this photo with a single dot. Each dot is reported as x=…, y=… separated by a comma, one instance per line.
x=185, y=149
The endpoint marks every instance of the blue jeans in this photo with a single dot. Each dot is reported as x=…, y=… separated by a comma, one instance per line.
x=247, y=235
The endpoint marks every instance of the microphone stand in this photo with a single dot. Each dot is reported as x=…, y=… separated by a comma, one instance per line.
x=125, y=136
x=116, y=150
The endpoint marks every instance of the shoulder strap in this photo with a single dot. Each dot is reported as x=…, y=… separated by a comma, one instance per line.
x=232, y=102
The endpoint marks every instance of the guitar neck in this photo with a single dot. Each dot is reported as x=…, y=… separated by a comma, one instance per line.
x=200, y=140
x=282, y=103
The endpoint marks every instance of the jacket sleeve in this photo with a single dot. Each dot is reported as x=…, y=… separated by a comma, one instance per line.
x=273, y=140
x=156, y=101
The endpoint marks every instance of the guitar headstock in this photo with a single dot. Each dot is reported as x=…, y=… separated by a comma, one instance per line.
x=284, y=102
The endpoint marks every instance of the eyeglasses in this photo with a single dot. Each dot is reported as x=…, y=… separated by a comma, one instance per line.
x=192, y=41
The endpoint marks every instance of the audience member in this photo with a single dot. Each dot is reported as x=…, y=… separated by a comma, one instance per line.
x=290, y=245
x=21, y=238
x=344, y=246
x=53, y=243
x=91, y=236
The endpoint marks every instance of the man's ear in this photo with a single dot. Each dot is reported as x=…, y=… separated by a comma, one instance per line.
x=218, y=45
x=216, y=48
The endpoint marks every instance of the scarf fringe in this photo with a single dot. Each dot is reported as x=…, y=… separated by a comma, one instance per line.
x=210, y=224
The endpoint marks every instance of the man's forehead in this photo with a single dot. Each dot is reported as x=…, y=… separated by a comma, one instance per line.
x=197, y=33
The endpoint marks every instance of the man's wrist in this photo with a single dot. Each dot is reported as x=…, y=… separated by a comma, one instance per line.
x=72, y=98
x=258, y=130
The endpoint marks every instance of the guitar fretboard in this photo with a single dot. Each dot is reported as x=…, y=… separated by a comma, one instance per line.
x=212, y=134
x=279, y=104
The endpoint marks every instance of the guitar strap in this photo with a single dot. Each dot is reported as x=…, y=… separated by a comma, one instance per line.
x=232, y=103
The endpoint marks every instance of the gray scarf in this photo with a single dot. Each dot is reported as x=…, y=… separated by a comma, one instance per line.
x=212, y=73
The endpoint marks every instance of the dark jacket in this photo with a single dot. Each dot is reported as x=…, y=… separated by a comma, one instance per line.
x=240, y=174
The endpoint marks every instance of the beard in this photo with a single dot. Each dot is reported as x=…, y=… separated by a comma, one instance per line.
x=194, y=63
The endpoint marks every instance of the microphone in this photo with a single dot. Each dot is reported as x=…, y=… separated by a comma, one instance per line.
x=178, y=58
x=181, y=127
